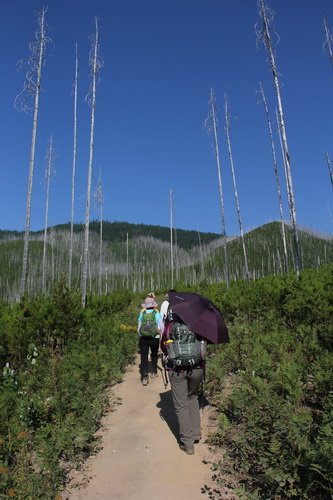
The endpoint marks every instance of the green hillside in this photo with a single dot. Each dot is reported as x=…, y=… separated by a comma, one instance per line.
x=117, y=231
x=146, y=261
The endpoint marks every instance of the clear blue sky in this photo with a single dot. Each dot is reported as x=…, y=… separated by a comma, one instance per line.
x=160, y=60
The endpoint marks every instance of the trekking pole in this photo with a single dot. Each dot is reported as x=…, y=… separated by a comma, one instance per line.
x=165, y=378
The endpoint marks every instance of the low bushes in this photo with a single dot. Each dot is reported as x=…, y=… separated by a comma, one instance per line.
x=56, y=360
x=272, y=386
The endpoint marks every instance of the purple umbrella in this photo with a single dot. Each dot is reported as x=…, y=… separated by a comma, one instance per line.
x=200, y=315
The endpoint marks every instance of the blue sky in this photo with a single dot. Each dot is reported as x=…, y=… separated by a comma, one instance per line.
x=160, y=60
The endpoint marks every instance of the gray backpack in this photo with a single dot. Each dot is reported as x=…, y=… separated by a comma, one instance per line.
x=185, y=349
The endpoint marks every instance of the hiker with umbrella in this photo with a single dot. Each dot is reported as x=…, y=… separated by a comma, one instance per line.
x=195, y=321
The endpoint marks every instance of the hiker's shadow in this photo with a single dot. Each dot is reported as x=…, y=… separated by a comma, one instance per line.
x=167, y=412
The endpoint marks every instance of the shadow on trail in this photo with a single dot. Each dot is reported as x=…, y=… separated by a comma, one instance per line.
x=167, y=412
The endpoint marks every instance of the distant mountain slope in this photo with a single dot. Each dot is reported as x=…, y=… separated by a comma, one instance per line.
x=117, y=231
x=146, y=261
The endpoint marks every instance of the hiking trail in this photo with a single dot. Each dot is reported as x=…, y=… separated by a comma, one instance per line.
x=140, y=458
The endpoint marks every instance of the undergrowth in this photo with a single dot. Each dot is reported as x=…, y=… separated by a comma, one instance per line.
x=56, y=361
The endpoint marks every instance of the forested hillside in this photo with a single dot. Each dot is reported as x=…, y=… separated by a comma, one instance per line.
x=118, y=231
x=144, y=261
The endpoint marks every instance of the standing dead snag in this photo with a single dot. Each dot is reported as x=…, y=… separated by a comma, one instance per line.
x=73, y=169
x=32, y=89
x=96, y=64
x=276, y=172
x=330, y=171
x=99, y=200
x=211, y=123
x=264, y=35
x=171, y=235
x=328, y=41
x=48, y=172
x=227, y=130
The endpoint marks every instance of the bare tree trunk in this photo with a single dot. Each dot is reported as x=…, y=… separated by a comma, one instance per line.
x=127, y=267
x=32, y=86
x=73, y=168
x=212, y=116
x=201, y=257
x=48, y=172
x=329, y=168
x=265, y=36
x=227, y=129
x=96, y=64
x=99, y=200
x=52, y=253
x=276, y=172
x=328, y=40
x=171, y=234
x=175, y=246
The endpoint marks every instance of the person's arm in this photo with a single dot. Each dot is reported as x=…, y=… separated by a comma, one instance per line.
x=159, y=322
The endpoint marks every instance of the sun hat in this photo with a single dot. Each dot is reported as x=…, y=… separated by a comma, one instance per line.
x=149, y=303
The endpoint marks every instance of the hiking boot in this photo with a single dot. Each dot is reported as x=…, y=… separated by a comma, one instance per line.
x=188, y=449
x=197, y=439
x=154, y=375
x=144, y=380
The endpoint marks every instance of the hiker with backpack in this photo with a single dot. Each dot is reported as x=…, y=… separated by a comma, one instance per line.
x=165, y=306
x=150, y=326
x=185, y=359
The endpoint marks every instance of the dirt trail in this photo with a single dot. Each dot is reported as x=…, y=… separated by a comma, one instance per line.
x=140, y=458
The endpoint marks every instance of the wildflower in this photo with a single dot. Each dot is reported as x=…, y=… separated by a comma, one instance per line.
x=11, y=492
x=21, y=435
x=3, y=470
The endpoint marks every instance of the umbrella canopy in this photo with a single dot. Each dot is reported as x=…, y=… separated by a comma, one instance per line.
x=200, y=315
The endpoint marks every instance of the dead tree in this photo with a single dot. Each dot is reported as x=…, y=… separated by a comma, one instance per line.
x=32, y=89
x=73, y=169
x=328, y=41
x=96, y=63
x=227, y=130
x=202, y=268
x=99, y=200
x=127, y=263
x=171, y=235
x=211, y=124
x=48, y=172
x=330, y=171
x=264, y=35
x=276, y=172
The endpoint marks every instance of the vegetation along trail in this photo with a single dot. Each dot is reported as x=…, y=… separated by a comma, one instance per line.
x=140, y=457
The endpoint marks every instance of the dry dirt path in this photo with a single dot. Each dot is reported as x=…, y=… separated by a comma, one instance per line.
x=140, y=458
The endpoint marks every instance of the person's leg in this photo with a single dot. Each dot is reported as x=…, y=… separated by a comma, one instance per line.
x=178, y=382
x=144, y=348
x=154, y=350
x=194, y=379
